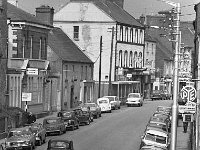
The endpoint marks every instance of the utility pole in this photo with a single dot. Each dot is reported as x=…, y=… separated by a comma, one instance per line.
x=175, y=80
x=110, y=72
x=99, y=93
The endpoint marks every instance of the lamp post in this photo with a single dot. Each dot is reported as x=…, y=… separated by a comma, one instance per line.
x=175, y=80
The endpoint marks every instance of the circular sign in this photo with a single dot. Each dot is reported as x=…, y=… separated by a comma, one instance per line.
x=188, y=92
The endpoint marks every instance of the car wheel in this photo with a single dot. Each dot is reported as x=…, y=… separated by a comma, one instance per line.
x=119, y=107
x=60, y=132
x=88, y=122
x=110, y=111
x=100, y=115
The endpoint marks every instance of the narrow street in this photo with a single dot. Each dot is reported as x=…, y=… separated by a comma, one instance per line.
x=119, y=130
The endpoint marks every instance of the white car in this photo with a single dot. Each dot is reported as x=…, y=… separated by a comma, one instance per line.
x=114, y=101
x=155, y=137
x=104, y=104
x=135, y=99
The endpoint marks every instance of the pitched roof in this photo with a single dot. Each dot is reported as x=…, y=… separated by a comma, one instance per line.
x=114, y=11
x=163, y=46
x=65, y=48
x=16, y=14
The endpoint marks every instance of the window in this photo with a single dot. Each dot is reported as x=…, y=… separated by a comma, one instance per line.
x=131, y=59
x=136, y=36
x=31, y=47
x=85, y=72
x=120, y=58
x=23, y=47
x=43, y=50
x=81, y=72
x=40, y=49
x=131, y=35
x=76, y=32
x=126, y=59
x=121, y=33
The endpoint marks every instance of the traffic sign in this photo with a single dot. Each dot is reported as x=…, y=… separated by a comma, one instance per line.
x=189, y=107
x=189, y=93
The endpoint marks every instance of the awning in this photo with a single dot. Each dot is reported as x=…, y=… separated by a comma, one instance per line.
x=39, y=64
x=17, y=63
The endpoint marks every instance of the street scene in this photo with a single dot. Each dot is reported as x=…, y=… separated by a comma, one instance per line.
x=99, y=74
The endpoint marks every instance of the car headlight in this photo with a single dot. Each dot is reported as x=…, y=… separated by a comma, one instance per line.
x=27, y=142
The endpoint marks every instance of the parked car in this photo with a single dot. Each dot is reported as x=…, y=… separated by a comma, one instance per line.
x=157, y=126
x=54, y=125
x=135, y=99
x=156, y=138
x=156, y=95
x=166, y=95
x=60, y=144
x=94, y=108
x=83, y=116
x=40, y=133
x=104, y=103
x=114, y=101
x=20, y=138
x=71, y=121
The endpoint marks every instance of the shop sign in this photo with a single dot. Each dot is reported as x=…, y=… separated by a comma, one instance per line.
x=26, y=97
x=32, y=71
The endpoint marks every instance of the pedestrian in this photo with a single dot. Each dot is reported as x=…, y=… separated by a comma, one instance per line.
x=31, y=118
x=185, y=126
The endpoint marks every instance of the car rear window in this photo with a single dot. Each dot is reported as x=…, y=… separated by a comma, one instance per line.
x=133, y=95
x=103, y=101
x=50, y=121
x=59, y=144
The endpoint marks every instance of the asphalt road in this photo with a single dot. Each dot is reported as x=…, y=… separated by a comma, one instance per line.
x=119, y=130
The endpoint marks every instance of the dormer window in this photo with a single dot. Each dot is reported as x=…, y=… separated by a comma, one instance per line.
x=76, y=33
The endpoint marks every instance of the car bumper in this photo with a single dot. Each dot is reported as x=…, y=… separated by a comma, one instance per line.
x=52, y=131
x=133, y=103
x=17, y=147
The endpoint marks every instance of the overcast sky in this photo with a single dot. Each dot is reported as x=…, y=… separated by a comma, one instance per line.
x=134, y=7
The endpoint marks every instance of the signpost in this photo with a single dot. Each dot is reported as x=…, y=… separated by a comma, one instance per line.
x=189, y=93
x=26, y=97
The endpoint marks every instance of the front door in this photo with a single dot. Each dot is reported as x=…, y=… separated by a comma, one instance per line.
x=72, y=97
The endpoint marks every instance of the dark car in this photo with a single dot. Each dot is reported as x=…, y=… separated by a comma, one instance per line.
x=20, y=138
x=94, y=108
x=84, y=117
x=60, y=144
x=156, y=95
x=40, y=133
x=54, y=125
x=71, y=121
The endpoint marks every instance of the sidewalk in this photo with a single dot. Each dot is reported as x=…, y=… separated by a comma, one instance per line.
x=183, y=139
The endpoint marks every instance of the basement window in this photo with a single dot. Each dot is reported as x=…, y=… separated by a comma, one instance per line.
x=76, y=33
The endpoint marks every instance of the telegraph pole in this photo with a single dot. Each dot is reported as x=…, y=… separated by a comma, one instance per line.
x=176, y=32
x=175, y=80
x=110, y=72
x=99, y=93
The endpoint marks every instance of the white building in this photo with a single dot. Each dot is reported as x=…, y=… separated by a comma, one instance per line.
x=123, y=49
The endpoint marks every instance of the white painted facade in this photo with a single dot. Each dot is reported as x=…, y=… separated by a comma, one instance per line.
x=149, y=56
x=93, y=23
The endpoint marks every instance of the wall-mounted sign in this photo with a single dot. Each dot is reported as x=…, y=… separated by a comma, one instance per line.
x=26, y=97
x=32, y=71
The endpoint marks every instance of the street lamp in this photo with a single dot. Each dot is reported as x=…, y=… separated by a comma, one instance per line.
x=175, y=80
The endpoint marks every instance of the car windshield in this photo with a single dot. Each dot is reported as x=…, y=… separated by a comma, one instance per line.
x=19, y=133
x=59, y=144
x=134, y=95
x=156, y=138
x=111, y=98
x=51, y=121
x=104, y=101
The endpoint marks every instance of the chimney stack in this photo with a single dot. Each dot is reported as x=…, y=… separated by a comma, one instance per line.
x=45, y=14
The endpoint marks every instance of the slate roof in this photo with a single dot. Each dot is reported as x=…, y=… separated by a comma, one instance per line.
x=163, y=46
x=114, y=11
x=16, y=14
x=65, y=48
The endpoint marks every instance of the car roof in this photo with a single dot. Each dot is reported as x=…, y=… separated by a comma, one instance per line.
x=152, y=147
x=62, y=140
x=110, y=96
x=102, y=98
x=156, y=132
